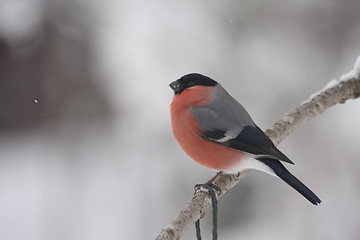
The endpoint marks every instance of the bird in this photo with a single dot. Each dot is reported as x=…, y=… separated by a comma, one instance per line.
x=216, y=131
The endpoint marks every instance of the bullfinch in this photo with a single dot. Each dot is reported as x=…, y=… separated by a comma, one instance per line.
x=217, y=132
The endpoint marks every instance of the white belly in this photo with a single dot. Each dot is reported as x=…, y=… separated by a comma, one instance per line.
x=250, y=163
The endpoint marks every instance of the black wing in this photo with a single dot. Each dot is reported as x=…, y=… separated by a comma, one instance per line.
x=251, y=139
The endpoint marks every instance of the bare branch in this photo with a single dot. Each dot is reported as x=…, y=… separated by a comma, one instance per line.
x=348, y=87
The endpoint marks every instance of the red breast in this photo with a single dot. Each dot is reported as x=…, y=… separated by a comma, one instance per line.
x=187, y=131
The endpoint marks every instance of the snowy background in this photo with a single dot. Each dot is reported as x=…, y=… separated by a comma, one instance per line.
x=86, y=149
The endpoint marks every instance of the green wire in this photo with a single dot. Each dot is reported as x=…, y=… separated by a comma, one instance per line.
x=215, y=210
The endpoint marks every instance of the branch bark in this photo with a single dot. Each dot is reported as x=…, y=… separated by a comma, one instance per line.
x=348, y=87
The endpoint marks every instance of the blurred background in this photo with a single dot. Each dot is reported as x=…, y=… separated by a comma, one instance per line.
x=86, y=149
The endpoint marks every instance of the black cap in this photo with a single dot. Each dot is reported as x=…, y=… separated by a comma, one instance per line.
x=190, y=80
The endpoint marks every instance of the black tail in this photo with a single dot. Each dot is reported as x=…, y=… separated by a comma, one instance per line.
x=290, y=179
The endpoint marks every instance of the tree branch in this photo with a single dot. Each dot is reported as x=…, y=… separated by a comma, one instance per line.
x=348, y=87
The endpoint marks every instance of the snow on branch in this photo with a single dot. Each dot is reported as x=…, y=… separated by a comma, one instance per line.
x=336, y=91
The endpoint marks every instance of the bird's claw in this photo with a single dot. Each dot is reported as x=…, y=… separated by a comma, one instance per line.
x=207, y=185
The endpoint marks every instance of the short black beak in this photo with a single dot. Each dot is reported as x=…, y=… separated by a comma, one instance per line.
x=176, y=87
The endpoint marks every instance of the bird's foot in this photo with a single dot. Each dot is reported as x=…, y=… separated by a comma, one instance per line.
x=209, y=184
